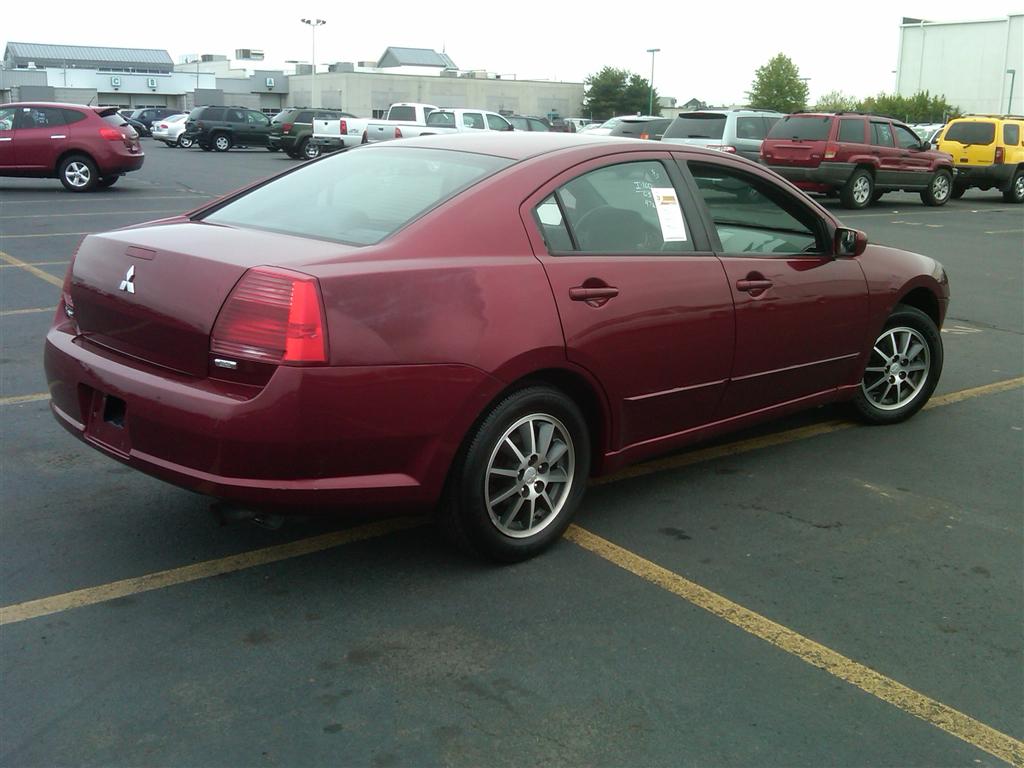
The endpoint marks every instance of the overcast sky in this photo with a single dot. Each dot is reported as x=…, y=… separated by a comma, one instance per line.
x=708, y=51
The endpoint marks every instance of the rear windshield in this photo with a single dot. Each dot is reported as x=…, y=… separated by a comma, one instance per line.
x=115, y=120
x=441, y=119
x=807, y=128
x=971, y=133
x=358, y=197
x=283, y=117
x=697, y=126
x=402, y=113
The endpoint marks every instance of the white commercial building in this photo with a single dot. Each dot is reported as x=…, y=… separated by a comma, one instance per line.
x=977, y=65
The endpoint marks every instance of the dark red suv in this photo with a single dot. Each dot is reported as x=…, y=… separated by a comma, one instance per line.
x=859, y=157
x=84, y=147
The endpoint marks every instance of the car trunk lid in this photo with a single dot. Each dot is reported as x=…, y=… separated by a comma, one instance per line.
x=154, y=292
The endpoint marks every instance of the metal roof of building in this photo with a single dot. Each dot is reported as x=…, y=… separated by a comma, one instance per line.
x=20, y=54
x=415, y=57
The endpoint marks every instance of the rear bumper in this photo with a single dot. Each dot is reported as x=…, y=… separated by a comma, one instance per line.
x=286, y=143
x=118, y=163
x=332, y=143
x=315, y=436
x=825, y=175
x=984, y=175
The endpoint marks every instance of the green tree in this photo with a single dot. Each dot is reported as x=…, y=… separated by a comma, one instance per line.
x=836, y=101
x=922, y=107
x=777, y=85
x=614, y=91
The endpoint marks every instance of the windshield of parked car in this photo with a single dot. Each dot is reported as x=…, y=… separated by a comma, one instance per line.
x=698, y=125
x=807, y=128
x=971, y=133
x=358, y=197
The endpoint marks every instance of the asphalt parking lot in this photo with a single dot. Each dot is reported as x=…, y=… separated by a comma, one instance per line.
x=811, y=593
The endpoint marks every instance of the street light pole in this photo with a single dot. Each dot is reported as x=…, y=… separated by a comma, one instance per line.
x=1013, y=78
x=650, y=105
x=313, y=24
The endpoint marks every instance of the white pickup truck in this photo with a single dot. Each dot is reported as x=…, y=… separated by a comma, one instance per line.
x=400, y=118
x=334, y=134
x=458, y=121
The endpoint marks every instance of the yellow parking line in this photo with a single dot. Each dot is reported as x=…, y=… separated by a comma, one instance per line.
x=936, y=713
x=32, y=269
x=45, y=606
x=36, y=263
x=88, y=213
x=44, y=234
x=135, y=198
x=19, y=399
x=8, y=312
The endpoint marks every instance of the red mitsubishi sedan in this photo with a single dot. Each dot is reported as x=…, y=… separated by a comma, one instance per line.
x=480, y=323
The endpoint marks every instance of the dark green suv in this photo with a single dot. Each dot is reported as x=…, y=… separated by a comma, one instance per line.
x=292, y=128
x=221, y=128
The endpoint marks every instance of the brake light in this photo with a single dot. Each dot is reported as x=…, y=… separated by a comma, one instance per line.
x=831, y=150
x=111, y=134
x=343, y=127
x=287, y=127
x=163, y=125
x=273, y=316
x=999, y=156
x=398, y=132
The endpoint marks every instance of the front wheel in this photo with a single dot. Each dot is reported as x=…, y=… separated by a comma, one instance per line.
x=1015, y=194
x=903, y=368
x=309, y=150
x=858, y=190
x=514, y=488
x=940, y=188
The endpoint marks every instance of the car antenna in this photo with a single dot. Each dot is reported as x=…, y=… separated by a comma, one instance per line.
x=89, y=104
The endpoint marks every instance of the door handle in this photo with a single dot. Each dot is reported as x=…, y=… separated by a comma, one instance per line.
x=579, y=293
x=58, y=136
x=753, y=285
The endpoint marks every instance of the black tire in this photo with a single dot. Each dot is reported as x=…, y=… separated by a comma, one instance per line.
x=939, y=190
x=472, y=517
x=272, y=149
x=308, y=150
x=957, y=192
x=206, y=147
x=858, y=189
x=108, y=181
x=905, y=330
x=78, y=173
x=185, y=141
x=221, y=142
x=876, y=196
x=1015, y=194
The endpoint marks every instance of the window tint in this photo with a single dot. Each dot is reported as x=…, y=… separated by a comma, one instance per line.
x=881, y=134
x=257, y=119
x=39, y=117
x=234, y=116
x=552, y=227
x=906, y=138
x=283, y=117
x=971, y=133
x=7, y=119
x=441, y=119
x=329, y=116
x=851, y=131
x=807, y=128
x=357, y=197
x=751, y=216
x=74, y=116
x=538, y=125
x=699, y=125
x=519, y=123
x=473, y=120
x=115, y=120
x=1011, y=134
x=616, y=210
x=402, y=113
x=212, y=113
x=497, y=123
x=306, y=116
x=750, y=128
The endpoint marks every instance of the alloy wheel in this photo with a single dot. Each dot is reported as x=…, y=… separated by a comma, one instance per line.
x=861, y=190
x=897, y=369
x=78, y=174
x=940, y=187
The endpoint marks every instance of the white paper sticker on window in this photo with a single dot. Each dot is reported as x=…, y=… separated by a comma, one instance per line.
x=673, y=228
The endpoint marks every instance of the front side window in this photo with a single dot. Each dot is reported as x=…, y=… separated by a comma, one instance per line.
x=39, y=117
x=257, y=119
x=441, y=119
x=881, y=134
x=851, y=131
x=751, y=216
x=538, y=125
x=519, y=123
x=497, y=123
x=906, y=138
x=625, y=208
x=750, y=128
x=1011, y=134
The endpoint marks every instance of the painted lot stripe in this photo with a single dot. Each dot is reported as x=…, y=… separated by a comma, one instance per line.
x=926, y=212
x=44, y=234
x=888, y=690
x=32, y=609
x=89, y=213
x=36, y=264
x=19, y=399
x=9, y=312
x=1003, y=231
x=6, y=257
x=135, y=198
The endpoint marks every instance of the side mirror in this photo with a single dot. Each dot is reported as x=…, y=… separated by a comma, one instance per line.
x=925, y=146
x=850, y=242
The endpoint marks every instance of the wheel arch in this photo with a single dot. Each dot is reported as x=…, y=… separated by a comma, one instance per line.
x=925, y=300
x=71, y=152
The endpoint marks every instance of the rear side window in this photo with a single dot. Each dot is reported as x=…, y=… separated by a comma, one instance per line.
x=802, y=128
x=1011, y=134
x=851, y=131
x=304, y=117
x=212, y=113
x=402, y=113
x=74, y=116
x=283, y=117
x=39, y=117
x=697, y=126
x=971, y=133
x=750, y=128
x=357, y=197
x=235, y=116
x=881, y=135
x=7, y=119
x=496, y=123
x=473, y=120
x=552, y=225
x=519, y=123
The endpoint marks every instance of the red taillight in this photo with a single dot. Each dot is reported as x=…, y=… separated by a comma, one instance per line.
x=272, y=316
x=163, y=125
x=344, y=128
x=111, y=134
x=287, y=127
x=398, y=132
x=999, y=156
x=831, y=150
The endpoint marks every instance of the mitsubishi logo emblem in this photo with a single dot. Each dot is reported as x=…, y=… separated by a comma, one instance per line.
x=128, y=284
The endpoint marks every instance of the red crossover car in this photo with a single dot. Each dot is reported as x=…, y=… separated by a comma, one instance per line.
x=487, y=320
x=859, y=157
x=84, y=147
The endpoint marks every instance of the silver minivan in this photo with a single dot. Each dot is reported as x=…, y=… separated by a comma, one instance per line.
x=740, y=131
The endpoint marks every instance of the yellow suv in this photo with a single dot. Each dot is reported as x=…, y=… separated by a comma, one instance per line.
x=988, y=151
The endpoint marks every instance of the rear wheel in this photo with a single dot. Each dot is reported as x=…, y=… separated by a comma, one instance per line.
x=939, y=190
x=514, y=488
x=309, y=150
x=222, y=142
x=857, y=191
x=903, y=368
x=272, y=149
x=1015, y=194
x=185, y=141
x=78, y=173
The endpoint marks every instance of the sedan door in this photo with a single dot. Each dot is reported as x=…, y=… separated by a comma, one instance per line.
x=800, y=312
x=644, y=305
